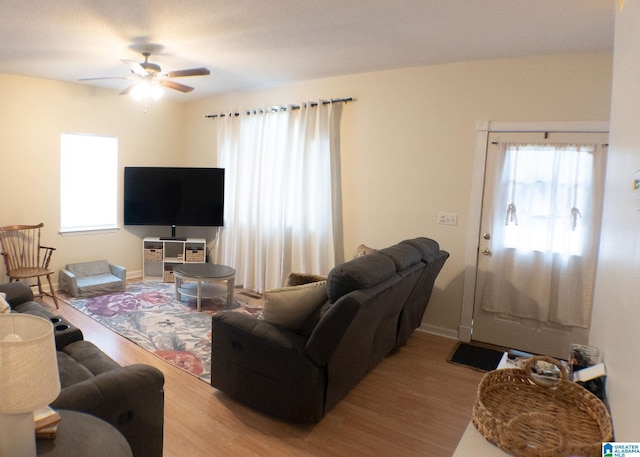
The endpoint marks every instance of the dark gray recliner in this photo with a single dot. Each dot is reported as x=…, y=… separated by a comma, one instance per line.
x=131, y=398
x=375, y=302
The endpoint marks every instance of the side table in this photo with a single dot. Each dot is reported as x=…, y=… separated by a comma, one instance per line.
x=85, y=435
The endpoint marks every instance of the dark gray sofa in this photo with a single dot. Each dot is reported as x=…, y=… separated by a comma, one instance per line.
x=131, y=398
x=374, y=303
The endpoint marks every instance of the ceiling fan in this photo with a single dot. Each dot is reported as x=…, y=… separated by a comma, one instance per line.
x=148, y=76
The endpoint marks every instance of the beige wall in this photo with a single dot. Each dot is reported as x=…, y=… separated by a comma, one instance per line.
x=408, y=143
x=33, y=113
x=616, y=316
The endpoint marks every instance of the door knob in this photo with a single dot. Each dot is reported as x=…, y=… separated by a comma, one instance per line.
x=486, y=236
x=485, y=251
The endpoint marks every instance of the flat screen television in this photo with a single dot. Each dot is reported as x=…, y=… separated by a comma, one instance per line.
x=174, y=196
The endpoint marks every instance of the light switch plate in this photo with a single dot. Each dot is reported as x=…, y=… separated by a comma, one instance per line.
x=447, y=218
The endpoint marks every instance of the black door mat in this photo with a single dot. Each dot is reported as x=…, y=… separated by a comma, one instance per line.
x=477, y=357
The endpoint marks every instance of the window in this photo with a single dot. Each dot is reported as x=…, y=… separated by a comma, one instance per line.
x=88, y=182
x=550, y=186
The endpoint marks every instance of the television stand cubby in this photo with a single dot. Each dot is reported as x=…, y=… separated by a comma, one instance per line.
x=161, y=255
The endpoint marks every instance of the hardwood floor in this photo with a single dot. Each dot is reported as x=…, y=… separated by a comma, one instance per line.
x=413, y=404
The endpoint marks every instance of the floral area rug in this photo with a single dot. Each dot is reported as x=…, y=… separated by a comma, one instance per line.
x=148, y=314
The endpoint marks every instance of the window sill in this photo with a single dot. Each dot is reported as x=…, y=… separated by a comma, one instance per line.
x=88, y=231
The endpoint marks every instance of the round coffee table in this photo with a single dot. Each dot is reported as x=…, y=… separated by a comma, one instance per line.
x=204, y=274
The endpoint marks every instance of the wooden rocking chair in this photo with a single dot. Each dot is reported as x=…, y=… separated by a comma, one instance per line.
x=24, y=257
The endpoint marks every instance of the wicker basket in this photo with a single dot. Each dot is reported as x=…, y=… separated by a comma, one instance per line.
x=168, y=276
x=153, y=254
x=195, y=255
x=526, y=417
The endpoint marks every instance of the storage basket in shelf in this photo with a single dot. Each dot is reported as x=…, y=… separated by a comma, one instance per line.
x=168, y=275
x=195, y=255
x=527, y=417
x=153, y=254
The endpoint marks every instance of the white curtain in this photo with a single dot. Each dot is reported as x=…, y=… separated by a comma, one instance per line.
x=282, y=193
x=546, y=225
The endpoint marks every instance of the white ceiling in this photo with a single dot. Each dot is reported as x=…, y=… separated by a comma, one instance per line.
x=252, y=44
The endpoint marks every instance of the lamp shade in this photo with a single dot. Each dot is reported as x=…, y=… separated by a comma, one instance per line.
x=28, y=365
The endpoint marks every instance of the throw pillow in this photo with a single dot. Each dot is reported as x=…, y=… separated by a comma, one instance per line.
x=363, y=249
x=4, y=305
x=298, y=279
x=289, y=307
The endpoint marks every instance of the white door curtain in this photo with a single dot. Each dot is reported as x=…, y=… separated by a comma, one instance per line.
x=545, y=232
x=283, y=208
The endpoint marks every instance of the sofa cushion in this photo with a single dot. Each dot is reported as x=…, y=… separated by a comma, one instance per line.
x=71, y=371
x=4, y=305
x=17, y=293
x=426, y=246
x=360, y=273
x=95, y=267
x=98, y=282
x=402, y=255
x=34, y=308
x=91, y=357
x=363, y=249
x=289, y=307
x=298, y=279
x=82, y=360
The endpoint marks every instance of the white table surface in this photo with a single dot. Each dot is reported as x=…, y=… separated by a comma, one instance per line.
x=472, y=443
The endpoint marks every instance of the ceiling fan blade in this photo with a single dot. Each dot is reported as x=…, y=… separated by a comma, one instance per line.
x=135, y=67
x=175, y=85
x=104, y=77
x=189, y=72
x=128, y=89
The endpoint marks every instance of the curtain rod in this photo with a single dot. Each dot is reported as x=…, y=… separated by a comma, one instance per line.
x=283, y=108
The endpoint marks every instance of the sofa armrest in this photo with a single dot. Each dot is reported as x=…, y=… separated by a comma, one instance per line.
x=131, y=398
x=248, y=328
x=68, y=282
x=119, y=272
x=17, y=293
x=118, y=386
x=265, y=367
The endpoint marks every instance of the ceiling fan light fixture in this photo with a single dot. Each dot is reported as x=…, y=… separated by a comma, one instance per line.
x=145, y=91
x=150, y=81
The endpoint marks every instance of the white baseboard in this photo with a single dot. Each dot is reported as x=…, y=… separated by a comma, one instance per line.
x=440, y=331
x=134, y=275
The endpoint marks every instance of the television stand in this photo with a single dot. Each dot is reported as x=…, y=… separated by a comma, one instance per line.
x=161, y=255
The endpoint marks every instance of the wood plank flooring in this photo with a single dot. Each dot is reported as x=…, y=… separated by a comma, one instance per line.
x=413, y=404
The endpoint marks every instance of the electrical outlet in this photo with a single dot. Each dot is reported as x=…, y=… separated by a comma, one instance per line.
x=447, y=218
